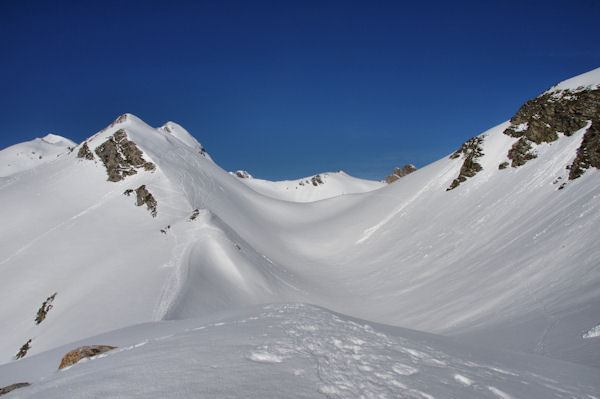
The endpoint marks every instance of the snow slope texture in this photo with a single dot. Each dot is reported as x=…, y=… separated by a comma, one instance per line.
x=298, y=351
x=30, y=154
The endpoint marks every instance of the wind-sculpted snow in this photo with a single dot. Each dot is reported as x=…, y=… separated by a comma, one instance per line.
x=295, y=351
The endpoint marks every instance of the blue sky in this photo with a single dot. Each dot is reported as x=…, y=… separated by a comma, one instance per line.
x=287, y=89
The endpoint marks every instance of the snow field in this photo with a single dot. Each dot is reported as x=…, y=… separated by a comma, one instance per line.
x=296, y=350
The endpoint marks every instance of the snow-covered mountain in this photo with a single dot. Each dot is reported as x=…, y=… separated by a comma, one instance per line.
x=28, y=155
x=308, y=189
x=493, y=246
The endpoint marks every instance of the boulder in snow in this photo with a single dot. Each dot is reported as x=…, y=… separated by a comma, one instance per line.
x=82, y=352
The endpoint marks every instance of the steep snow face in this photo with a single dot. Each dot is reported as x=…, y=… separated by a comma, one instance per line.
x=28, y=155
x=309, y=189
x=297, y=351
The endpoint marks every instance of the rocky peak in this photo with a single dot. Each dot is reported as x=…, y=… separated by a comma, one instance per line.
x=121, y=157
x=400, y=172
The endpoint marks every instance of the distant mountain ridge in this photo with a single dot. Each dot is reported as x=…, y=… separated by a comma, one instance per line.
x=27, y=155
x=312, y=188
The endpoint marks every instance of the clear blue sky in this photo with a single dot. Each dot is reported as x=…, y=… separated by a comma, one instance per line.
x=287, y=89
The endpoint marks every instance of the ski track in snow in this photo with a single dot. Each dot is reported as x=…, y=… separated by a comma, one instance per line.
x=97, y=205
x=371, y=230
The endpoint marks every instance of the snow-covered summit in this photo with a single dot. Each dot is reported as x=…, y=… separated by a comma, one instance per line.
x=30, y=154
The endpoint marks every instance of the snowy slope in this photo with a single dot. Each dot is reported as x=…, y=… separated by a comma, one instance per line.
x=24, y=156
x=295, y=351
x=313, y=188
x=588, y=80
x=504, y=259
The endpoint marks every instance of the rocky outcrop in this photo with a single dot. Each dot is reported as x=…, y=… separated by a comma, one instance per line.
x=121, y=157
x=520, y=153
x=588, y=154
x=44, y=309
x=143, y=196
x=541, y=119
x=544, y=118
x=195, y=214
x=471, y=150
x=398, y=173
x=12, y=387
x=85, y=152
x=242, y=174
x=82, y=352
x=23, y=350
x=316, y=180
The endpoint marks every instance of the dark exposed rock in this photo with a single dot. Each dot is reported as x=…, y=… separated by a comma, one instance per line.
x=242, y=174
x=471, y=150
x=121, y=157
x=128, y=192
x=85, y=152
x=564, y=112
x=521, y=152
x=541, y=119
x=398, y=173
x=316, y=180
x=23, y=350
x=143, y=196
x=82, y=352
x=503, y=165
x=12, y=387
x=195, y=214
x=588, y=154
x=44, y=309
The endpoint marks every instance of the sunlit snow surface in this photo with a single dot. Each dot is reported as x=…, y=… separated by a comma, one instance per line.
x=505, y=260
x=28, y=155
x=330, y=185
x=294, y=350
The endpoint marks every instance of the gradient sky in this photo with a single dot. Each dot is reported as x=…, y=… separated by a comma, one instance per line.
x=286, y=89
